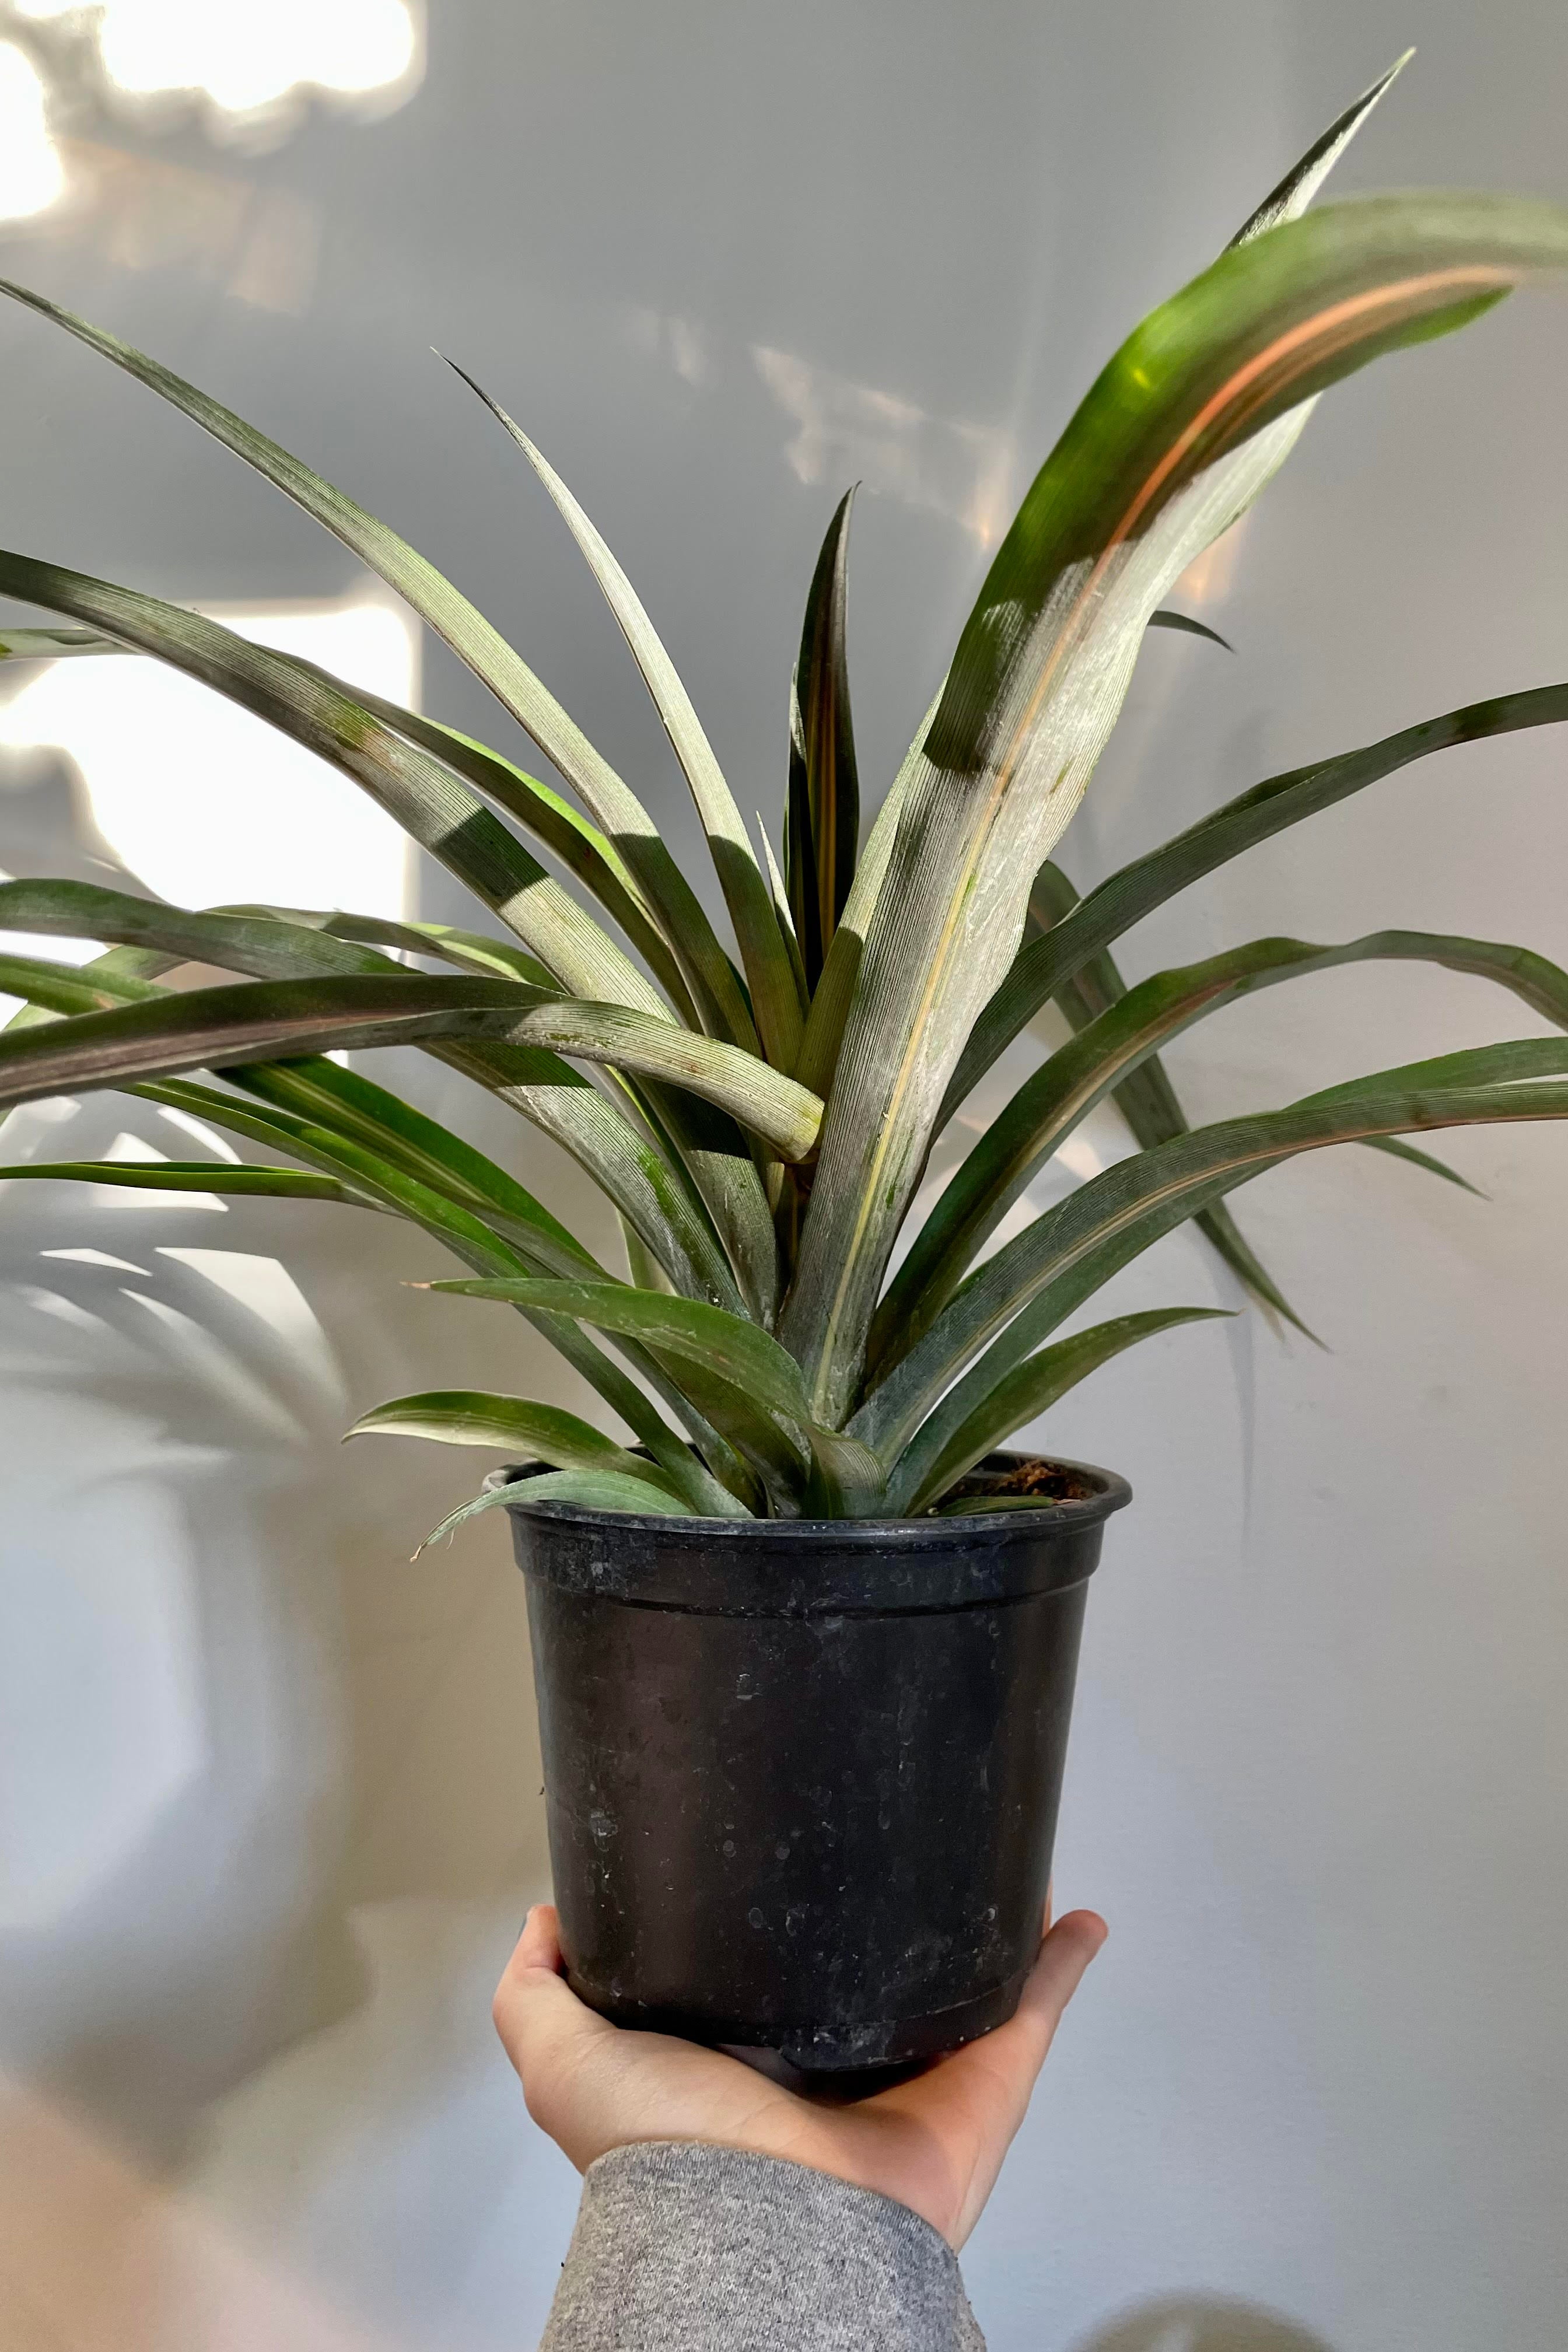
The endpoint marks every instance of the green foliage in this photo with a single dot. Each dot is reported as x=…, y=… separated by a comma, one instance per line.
x=761, y=1125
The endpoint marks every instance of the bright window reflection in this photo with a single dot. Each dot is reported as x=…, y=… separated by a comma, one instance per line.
x=30, y=173
x=246, y=55
x=206, y=804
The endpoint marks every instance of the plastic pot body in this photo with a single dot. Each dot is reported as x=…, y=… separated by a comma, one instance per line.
x=802, y=1777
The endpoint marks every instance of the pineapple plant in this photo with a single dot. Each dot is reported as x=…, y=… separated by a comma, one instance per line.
x=761, y=1108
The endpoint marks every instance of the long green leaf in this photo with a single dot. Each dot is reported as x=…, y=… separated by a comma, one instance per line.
x=1146, y=1098
x=191, y=1176
x=727, y=1344
x=478, y=1417
x=1043, y=966
x=741, y=1371
x=822, y=818
x=207, y=1027
x=352, y=1107
x=1149, y=1103
x=1135, y=490
x=292, y=1106
x=494, y=1242
x=1392, y=1149
x=582, y=848
x=510, y=1232
x=446, y=817
x=633, y=1174
x=440, y=942
x=1016, y=1297
x=776, y=1455
x=835, y=991
x=652, y=1188
x=65, y=988
x=1054, y=1098
x=637, y=1178
x=710, y=1481
x=779, y=896
x=830, y=1005
x=421, y=793
x=262, y=945
x=405, y=1149
x=740, y=1379
x=614, y=808
x=593, y=1490
x=924, y=1474
x=774, y=1002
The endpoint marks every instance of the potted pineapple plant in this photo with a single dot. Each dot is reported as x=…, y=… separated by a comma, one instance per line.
x=804, y=1633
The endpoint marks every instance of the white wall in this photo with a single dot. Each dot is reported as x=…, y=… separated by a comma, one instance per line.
x=267, y=1793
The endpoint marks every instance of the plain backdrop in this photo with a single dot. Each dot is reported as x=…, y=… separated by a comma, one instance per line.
x=270, y=1806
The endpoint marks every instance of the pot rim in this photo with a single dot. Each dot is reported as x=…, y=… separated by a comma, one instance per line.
x=1111, y=1493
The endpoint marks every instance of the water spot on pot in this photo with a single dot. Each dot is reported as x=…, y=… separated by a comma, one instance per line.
x=754, y=1917
x=780, y=1851
x=745, y=1687
x=728, y=1845
x=602, y=1827
x=792, y=1919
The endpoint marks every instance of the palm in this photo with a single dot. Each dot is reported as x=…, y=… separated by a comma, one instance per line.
x=934, y=2143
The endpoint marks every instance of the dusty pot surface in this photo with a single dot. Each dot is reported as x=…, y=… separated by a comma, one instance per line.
x=803, y=1775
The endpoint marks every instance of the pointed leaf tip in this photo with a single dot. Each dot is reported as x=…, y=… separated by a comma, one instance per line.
x=822, y=818
x=1295, y=192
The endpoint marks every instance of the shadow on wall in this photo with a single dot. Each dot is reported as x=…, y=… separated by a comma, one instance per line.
x=251, y=1757
x=235, y=1720
x=1202, y=2324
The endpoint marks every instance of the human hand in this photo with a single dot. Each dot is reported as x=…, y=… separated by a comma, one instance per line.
x=934, y=2142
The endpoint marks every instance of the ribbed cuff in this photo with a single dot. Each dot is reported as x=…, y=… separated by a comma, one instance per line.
x=681, y=2247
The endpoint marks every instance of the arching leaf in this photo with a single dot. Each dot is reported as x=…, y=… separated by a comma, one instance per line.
x=1170, y=445
x=1046, y=963
x=1018, y=1297
x=1054, y=1098
x=925, y=1472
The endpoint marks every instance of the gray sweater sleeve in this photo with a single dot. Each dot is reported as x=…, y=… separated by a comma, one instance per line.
x=680, y=2247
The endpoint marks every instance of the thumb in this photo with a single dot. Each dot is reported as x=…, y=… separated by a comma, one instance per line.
x=1064, y=1958
x=991, y=2078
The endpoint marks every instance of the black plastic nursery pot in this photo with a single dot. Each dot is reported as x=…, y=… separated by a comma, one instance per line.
x=802, y=1775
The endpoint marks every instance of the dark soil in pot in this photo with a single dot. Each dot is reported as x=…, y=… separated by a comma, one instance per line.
x=803, y=1776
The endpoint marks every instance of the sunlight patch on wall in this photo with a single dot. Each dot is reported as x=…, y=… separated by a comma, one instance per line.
x=846, y=431
x=248, y=59
x=248, y=63
x=204, y=804
x=31, y=175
